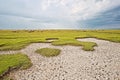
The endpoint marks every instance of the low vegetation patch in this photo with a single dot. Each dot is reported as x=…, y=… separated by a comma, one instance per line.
x=48, y=52
x=15, y=40
x=87, y=46
x=10, y=62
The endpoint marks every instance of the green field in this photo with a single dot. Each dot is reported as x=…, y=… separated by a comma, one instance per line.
x=10, y=61
x=18, y=39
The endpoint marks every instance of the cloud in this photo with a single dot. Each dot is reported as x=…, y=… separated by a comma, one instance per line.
x=85, y=9
x=58, y=12
x=81, y=9
x=109, y=18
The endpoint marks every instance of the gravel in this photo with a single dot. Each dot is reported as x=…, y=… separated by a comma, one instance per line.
x=73, y=63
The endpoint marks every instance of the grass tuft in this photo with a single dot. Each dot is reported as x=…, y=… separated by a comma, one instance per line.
x=48, y=52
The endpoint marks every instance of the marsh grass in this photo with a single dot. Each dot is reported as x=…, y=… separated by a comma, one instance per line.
x=10, y=61
x=15, y=40
x=48, y=52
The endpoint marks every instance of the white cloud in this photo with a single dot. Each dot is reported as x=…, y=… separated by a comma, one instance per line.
x=85, y=9
x=77, y=9
x=58, y=10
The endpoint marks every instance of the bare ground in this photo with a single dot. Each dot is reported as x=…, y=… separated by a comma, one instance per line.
x=73, y=63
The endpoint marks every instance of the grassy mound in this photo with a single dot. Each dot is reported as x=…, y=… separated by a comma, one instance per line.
x=48, y=52
x=10, y=61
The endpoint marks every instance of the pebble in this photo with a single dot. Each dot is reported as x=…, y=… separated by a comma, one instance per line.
x=73, y=63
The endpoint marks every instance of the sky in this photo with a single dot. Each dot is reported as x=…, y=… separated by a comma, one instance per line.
x=59, y=14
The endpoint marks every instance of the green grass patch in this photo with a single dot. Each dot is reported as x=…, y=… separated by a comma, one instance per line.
x=48, y=52
x=15, y=40
x=87, y=46
x=18, y=60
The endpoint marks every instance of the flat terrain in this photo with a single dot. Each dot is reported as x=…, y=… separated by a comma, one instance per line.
x=18, y=39
x=84, y=54
x=72, y=63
